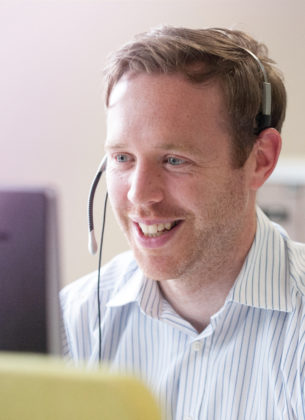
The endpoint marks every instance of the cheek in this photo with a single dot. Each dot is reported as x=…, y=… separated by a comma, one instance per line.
x=117, y=188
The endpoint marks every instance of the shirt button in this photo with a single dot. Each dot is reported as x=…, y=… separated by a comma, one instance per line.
x=196, y=346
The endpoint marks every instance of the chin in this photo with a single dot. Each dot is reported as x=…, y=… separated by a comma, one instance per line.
x=158, y=268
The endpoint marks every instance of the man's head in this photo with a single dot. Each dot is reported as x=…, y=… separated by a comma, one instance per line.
x=202, y=55
x=185, y=197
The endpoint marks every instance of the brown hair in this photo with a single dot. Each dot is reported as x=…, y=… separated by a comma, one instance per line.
x=201, y=55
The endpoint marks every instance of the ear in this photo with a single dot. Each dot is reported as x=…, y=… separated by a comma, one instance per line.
x=265, y=154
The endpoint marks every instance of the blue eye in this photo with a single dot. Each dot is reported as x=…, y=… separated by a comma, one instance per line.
x=121, y=158
x=174, y=161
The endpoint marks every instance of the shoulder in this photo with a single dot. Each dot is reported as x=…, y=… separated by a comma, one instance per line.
x=286, y=256
x=80, y=311
x=112, y=276
x=287, y=253
x=295, y=257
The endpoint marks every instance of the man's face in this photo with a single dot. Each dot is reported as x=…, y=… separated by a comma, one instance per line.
x=171, y=182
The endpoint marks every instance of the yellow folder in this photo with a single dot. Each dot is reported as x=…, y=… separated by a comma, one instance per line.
x=35, y=387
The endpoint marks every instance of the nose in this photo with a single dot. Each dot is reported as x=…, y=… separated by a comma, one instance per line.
x=145, y=185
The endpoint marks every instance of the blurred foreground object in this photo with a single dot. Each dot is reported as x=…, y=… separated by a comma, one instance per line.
x=38, y=387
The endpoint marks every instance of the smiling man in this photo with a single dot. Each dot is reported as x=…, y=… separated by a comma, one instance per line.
x=208, y=306
x=188, y=213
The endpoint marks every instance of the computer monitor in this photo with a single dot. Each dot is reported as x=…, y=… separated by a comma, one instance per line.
x=29, y=271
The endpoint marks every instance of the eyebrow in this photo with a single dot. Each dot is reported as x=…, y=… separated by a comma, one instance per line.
x=179, y=147
x=114, y=146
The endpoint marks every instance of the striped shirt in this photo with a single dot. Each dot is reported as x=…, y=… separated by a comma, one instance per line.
x=248, y=363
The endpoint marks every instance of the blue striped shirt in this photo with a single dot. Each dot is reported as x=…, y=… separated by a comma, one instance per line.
x=248, y=363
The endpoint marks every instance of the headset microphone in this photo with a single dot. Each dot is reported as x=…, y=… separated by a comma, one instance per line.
x=92, y=244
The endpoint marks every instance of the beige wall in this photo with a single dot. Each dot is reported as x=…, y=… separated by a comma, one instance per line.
x=52, y=121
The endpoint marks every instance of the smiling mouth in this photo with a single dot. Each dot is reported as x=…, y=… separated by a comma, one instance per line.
x=153, y=231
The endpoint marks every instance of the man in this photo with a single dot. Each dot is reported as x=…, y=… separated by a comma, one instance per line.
x=208, y=307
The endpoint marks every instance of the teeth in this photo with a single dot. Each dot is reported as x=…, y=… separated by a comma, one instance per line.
x=152, y=229
x=155, y=230
x=161, y=227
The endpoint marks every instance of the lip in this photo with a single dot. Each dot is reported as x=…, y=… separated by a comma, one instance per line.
x=158, y=241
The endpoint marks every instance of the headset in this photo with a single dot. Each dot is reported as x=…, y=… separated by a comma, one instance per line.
x=263, y=120
x=92, y=244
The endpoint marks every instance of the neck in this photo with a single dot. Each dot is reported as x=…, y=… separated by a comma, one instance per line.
x=200, y=294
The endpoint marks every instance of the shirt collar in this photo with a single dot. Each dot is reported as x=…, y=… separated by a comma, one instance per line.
x=263, y=281
x=129, y=291
x=139, y=288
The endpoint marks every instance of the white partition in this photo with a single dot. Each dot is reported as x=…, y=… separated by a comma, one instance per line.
x=283, y=197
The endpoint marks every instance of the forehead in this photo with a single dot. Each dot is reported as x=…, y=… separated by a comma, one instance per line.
x=174, y=86
x=165, y=106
